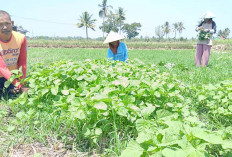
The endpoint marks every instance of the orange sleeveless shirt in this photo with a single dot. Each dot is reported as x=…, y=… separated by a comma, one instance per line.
x=10, y=50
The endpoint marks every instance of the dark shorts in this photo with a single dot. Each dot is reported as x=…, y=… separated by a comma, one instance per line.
x=3, y=90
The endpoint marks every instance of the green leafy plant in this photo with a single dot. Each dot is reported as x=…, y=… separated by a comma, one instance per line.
x=127, y=109
x=204, y=35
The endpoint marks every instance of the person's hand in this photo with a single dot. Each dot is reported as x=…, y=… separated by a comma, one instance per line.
x=15, y=90
x=24, y=89
x=200, y=28
x=206, y=30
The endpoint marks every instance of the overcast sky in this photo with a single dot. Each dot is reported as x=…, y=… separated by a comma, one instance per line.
x=59, y=17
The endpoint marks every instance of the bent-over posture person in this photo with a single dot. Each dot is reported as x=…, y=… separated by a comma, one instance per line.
x=117, y=50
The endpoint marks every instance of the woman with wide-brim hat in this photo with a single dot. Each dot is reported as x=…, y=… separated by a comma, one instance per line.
x=117, y=50
x=206, y=30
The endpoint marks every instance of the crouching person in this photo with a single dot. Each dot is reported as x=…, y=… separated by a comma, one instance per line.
x=13, y=54
x=117, y=50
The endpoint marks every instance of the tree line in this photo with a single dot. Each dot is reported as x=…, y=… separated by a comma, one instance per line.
x=114, y=21
x=224, y=33
x=166, y=29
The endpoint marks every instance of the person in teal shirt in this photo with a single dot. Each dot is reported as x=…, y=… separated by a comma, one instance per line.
x=117, y=50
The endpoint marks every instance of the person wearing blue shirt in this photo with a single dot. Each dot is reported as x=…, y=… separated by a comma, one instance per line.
x=117, y=50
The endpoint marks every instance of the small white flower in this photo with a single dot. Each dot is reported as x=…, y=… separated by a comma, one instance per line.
x=169, y=65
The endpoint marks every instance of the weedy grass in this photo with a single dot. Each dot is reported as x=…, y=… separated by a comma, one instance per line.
x=158, y=103
x=133, y=44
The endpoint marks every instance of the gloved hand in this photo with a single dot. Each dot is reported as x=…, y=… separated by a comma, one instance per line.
x=200, y=28
x=203, y=30
x=15, y=90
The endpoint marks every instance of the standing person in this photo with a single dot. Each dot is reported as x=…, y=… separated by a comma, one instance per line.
x=206, y=30
x=117, y=50
x=13, y=54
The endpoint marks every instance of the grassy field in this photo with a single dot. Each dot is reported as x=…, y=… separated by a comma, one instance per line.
x=44, y=120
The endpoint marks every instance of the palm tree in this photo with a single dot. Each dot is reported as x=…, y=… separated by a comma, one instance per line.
x=224, y=33
x=180, y=27
x=159, y=32
x=104, y=12
x=87, y=22
x=121, y=17
x=175, y=25
x=166, y=29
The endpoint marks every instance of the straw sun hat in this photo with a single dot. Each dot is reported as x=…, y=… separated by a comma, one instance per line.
x=207, y=15
x=112, y=36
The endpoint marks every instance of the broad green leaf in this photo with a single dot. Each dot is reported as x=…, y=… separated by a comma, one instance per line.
x=133, y=149
x=147, y=111
x=70, y=98
x=174, y=152
x=76, y=102
x=157, y=94
x=134, y=83
x=211, y=138
x=54, y=91
x=230, y=108
x=57, y=81
x=20, y=115
x=7, y=84
x=196, y=154
x=80, y=114
x=170, y=86
x=86, y=131
x=162, y=113
x=230, y=96
x=101, y=97
x=100, y=105
x=227, y=144
x=211, y=87
x=122, y=111
x=201, y=97
x=157, y=154
x=10, y=128
x=44, y=91
x=143, y=137
x=65, y=92
x=128, y=99
x=98, y=131
x=32, y=83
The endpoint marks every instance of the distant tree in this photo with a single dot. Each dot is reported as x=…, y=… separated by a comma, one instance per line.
x=180, y=27
x=175, y=28
x=86, y=21
x=159, y=32
x=111, y=23
x=220, y=33
x=19, y=29
x=166, y=29
x=121, y=18
x=224, y=33
x=104, y=12
x=131, y=29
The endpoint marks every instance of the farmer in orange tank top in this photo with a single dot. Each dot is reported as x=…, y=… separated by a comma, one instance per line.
x=13, y=55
